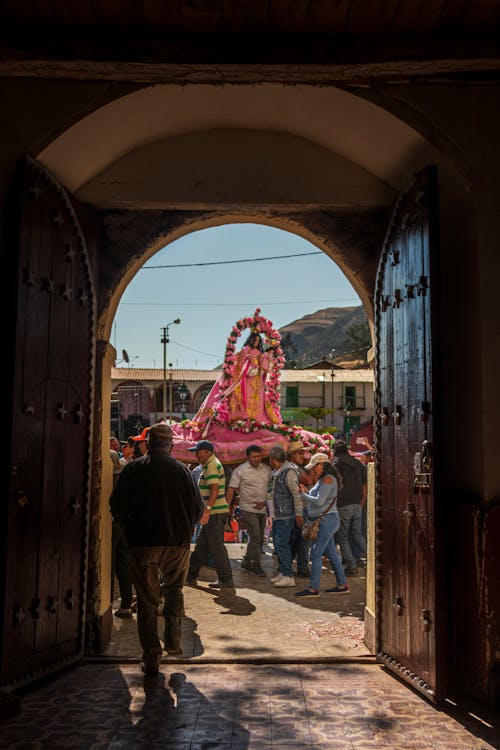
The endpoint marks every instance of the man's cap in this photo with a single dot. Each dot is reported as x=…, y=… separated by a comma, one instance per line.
x=295, y=445
x=318, y=458
x=159, y=433
x=203, y=445
x=143, y=436
x=340, y=447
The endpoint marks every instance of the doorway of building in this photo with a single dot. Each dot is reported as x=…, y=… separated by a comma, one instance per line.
x=133, y=234
x=329, y=628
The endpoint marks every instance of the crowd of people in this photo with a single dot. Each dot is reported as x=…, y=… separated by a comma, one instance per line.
x=161, y=508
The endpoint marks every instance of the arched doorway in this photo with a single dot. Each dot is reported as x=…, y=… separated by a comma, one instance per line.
x=297, y=211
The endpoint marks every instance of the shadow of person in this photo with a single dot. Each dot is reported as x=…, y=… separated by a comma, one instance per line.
x=191, y=641
x=175, y=713
x=212, y=721
x=228, y=598
x=234, y=604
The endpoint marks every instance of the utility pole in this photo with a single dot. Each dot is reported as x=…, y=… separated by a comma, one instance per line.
x=170, y=395
x=165, y=340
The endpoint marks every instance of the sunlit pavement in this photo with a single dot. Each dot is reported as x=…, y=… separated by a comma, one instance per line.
x=256, y=620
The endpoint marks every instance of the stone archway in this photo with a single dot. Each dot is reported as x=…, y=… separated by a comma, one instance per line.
x=338, y=234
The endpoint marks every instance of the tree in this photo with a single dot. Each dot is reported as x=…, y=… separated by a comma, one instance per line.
x=317, y=413
x=357, y=337
x=289, y=349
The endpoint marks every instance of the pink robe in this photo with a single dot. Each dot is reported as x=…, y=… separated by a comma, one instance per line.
x=245, y=396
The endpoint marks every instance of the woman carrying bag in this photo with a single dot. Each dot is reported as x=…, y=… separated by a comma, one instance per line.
x=321, y=503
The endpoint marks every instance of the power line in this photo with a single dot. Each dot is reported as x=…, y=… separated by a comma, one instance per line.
x=224, y=262
x=238, y=304
x=216, y=356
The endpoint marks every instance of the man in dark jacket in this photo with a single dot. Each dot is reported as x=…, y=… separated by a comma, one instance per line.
x=351, y=498
x=158, y=504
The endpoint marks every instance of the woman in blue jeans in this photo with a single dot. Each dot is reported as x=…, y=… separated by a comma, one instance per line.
x=322, y=498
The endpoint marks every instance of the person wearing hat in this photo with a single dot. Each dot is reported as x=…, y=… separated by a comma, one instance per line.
x=212, y=486
x=140, y=447
x=352, y=498
x=300, y=546
x=321, y=501
x=158, y=504
x=285, y=508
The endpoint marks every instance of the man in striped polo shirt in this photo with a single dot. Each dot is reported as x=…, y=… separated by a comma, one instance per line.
x=212, y=486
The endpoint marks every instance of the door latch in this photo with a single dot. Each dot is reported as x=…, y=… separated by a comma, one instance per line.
x=410, y=511
x=21, y=498
x=398, y=605
x=422, y=466
x=426, y=620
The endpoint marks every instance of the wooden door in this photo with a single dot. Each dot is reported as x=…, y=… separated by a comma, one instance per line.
x=44, y=517
x=410, y=602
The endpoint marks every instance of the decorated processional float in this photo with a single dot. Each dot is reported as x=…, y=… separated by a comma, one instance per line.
x=243, y=406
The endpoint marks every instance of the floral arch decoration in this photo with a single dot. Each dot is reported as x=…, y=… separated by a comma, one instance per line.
x=257, y=324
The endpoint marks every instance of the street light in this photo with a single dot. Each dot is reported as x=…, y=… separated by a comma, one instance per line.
x=165, y=340
x=170, y=394
x=183, y=392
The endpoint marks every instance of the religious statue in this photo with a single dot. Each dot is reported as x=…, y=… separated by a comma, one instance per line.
x=248, y=387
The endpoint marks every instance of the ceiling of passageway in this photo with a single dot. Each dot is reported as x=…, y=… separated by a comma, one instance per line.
x=349, y=127
x=320, y=17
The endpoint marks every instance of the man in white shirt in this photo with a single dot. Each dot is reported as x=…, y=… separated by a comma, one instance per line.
x=251, y=481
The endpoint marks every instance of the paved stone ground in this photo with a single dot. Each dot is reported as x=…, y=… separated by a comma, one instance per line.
x=258, y=620
x=236, y=707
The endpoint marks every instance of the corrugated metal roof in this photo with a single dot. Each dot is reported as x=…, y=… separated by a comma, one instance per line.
x=155, y=375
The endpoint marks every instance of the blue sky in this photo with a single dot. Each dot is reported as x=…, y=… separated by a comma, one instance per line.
x=209, y=299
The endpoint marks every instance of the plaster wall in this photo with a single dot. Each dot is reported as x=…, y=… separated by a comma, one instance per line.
x=231, y=168
x=328, y=116
x=370, y=607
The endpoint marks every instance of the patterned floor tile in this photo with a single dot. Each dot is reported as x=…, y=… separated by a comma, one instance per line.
x=323, y=707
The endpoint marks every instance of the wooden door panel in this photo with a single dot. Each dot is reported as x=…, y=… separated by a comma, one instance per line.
x=409, y=635
x=50, y=444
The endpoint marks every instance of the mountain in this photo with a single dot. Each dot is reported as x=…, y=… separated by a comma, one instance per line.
x=312, y=337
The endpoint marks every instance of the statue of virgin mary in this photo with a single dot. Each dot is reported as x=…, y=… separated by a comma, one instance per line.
x=241, y=395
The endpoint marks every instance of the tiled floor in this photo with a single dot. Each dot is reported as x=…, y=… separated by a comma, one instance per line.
x=237, y=707
x=258, y=620
x=211, y=698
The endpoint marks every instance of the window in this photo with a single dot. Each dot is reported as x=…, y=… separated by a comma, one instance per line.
x=292, y=396
x=350, y=397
